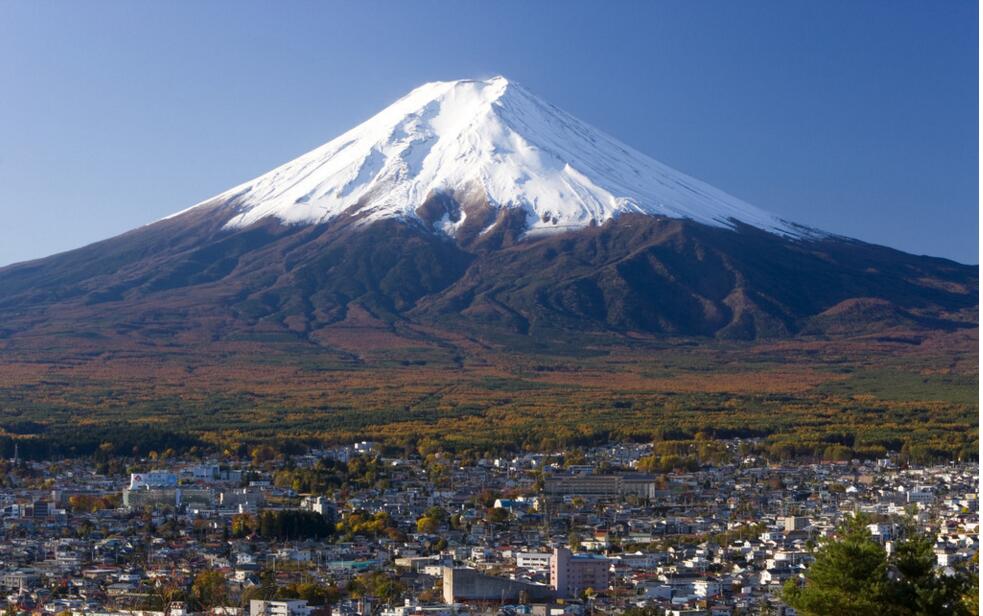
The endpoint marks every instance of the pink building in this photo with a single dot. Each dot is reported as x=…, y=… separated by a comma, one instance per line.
x=572, y=574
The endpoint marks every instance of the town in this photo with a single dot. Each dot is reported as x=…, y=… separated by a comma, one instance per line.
x=361, y=529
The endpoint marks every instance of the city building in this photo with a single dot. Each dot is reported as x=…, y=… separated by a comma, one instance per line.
x=287, y=607
x=463, y=584
x=571, y=574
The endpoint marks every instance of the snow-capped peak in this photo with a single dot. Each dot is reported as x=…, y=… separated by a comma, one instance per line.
x=494, y=135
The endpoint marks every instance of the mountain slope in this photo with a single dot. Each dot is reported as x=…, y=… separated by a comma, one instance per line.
x=679, y=277
x=633, y=274
x=474, y=206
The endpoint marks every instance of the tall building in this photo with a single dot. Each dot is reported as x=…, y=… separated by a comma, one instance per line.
x=571, y=574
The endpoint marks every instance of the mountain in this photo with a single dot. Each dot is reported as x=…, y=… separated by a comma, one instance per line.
x=494, y=149
x=474, y=206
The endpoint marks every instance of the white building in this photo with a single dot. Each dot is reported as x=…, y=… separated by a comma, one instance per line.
x=921, y=494
x=153, y=479
x=289, y=607
x=534, y=561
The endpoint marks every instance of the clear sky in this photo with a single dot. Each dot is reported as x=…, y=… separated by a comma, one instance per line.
x=857, y=117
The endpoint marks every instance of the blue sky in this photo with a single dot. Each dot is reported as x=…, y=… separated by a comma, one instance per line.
x=855, y=117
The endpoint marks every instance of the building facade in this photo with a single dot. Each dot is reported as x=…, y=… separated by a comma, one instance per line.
x=571, y=574
x=461, y=584
x=288, y=607
x=606, y=486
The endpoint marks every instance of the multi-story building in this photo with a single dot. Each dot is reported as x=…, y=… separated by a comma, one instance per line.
x=138, y=498
x=637, y=484
x=794, y=523
x=153, y=479
x=534, y=561
x=19, y=579
x=572, y=574
x=583, y=485
x=288, y=607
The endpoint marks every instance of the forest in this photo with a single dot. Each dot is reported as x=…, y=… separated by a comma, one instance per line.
x=915, y=395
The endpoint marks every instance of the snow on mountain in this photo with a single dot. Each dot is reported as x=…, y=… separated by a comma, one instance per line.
x=494, y=135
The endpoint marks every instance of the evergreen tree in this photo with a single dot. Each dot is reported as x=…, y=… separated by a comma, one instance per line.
x=852, y=576
x=848, y=577
x=919, y=588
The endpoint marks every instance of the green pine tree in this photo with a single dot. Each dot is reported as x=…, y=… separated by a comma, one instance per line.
x=848, y=578
x=853, y=576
